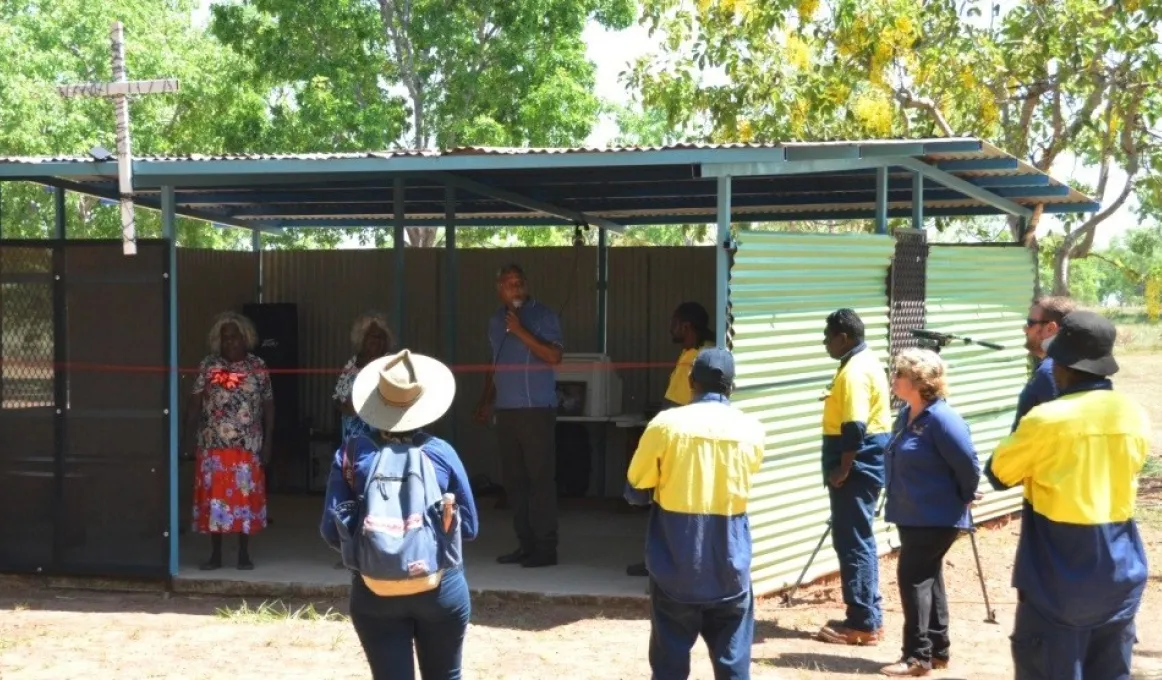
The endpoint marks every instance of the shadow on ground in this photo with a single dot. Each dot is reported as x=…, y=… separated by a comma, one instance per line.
x=490, y=611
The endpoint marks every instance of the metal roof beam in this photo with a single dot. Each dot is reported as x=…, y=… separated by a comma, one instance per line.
x=782, y=166
x=664, y=220
x=557, y=193
x=155, y=204
x=526, y=202
x=978, y=165
x=591, y=209
x=953, y=182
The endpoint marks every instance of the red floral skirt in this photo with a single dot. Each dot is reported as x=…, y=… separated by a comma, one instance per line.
x=229, y=492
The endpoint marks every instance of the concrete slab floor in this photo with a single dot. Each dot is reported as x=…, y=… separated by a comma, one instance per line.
x=597, y=542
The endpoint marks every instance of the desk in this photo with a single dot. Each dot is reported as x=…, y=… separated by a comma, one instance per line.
x=623, y=421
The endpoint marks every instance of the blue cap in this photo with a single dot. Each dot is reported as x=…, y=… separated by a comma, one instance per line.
x=713, y=367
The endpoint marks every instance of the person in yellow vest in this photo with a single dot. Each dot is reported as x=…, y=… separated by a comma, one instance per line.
x=1080, y=569
x=856, y=426
x=690, y=328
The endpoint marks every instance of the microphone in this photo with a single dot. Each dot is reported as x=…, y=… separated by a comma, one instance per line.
x=513, y=307
x=945, y=339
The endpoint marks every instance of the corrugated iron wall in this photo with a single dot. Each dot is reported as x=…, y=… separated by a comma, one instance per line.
x=782, y=288
x=332, y=287
x=983, y=292
x=209, y=282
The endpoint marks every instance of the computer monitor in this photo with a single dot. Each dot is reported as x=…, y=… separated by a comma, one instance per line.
x=588, y=386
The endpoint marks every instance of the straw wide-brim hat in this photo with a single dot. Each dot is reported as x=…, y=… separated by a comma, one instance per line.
x=403, y=392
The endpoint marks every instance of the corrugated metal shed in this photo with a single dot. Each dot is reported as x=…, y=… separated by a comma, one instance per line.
x=782, y=288
x=629, y=186
x=984, y=292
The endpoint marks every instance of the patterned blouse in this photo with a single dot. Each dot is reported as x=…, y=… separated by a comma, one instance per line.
x=352, y=425
x=234, y=393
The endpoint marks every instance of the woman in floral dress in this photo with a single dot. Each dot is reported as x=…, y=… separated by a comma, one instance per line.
x=371, y=339
x=230, y=420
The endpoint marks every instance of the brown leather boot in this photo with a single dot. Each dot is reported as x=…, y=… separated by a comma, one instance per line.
x=839, y=634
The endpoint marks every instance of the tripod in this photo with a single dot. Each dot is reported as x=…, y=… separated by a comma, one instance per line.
x=934, y=341
x=787, y=597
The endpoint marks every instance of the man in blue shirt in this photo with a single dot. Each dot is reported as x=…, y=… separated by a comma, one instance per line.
x=1044, y=320
x=521, y=389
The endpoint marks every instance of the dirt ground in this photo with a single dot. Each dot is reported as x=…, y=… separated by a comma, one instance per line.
x=59, y=634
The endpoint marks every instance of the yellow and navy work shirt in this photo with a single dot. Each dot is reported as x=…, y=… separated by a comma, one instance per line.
x=1080, y=560
x=678, y=391
x=857, y=414
x=696, y=461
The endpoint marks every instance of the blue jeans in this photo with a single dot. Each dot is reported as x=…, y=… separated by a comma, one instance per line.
x=1044, y=650
x=435, y=621
x=727, y=627
x=853, y=508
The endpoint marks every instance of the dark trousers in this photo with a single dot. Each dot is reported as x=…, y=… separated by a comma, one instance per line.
x=1044, y=650
x=435, y=621
x=528, y=467
x=853, y=508
x=920, y=572
x=727, y=627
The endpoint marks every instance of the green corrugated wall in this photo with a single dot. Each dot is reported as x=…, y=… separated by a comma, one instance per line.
x=983, y=292
x=782, y=288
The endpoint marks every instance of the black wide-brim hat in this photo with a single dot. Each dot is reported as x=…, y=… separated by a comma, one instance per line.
x=1085, y=342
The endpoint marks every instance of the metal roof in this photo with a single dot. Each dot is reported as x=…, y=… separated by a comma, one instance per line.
x=533, y=186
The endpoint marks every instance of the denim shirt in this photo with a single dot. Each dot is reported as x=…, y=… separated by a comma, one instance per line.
x=932, y=469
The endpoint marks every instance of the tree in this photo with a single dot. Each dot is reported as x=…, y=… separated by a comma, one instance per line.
x=65, y=41
x=1047, y=80
x=428, y=73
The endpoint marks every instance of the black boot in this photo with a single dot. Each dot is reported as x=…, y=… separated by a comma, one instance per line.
x=215, y=561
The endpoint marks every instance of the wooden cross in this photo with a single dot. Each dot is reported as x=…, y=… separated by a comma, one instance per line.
x=119, y=90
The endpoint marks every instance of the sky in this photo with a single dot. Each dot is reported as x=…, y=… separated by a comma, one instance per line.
x=613, y=51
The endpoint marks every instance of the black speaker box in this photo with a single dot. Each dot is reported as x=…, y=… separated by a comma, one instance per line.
x=277, y=324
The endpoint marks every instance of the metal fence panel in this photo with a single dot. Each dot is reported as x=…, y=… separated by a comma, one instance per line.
x=782, y=288
x=84, y=422
x=27, y=409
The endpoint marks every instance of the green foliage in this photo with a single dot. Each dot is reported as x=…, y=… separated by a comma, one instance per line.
x=222, y=105
x=425, y=73
x=1044, y=80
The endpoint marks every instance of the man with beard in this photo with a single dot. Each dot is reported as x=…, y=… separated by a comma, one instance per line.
x=690, y=328
x=1044, y=320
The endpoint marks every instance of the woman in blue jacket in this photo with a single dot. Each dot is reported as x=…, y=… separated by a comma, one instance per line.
x=396, y=396
x=932, y=472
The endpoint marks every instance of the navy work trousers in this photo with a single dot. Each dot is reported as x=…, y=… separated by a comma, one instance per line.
x=727, y=627
x=853, y=508
x=1044, y=650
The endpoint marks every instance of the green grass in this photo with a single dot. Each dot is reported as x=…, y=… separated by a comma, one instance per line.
x=274, y=611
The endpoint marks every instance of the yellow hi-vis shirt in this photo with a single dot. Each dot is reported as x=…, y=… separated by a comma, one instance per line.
x=857, y=410
x=678, y=390
x=1080, y=560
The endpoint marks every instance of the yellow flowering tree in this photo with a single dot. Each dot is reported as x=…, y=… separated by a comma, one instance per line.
x=1043, y=80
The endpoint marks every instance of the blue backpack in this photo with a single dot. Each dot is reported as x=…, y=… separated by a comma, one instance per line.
x=393, y=534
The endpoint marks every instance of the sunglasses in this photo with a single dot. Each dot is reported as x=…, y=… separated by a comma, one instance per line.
x=1035, y=322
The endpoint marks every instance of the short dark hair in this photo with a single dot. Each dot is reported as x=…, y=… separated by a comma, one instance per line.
x=1055, y=307
x=693, y=314
x=845, y=321
x=510, y=268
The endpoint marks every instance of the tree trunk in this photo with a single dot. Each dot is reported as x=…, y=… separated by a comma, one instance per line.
x=1061, y=270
